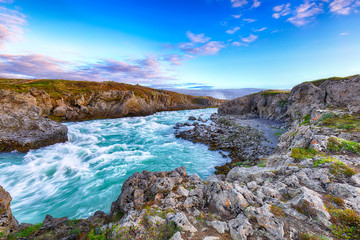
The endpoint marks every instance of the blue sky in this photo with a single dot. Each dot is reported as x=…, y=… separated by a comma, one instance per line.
x=181, y=43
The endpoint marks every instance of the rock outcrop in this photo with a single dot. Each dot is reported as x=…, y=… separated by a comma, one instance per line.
x=303, y=99
x=28, y=108
x=22, y=125
x=7, y=221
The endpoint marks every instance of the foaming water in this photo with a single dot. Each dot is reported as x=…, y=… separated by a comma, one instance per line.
x=85, y=174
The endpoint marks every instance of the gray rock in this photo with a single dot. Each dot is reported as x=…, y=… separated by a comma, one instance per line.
x=181, y=221
x=240, y=228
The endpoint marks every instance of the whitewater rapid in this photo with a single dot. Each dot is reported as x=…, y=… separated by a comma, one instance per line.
x=85, y=174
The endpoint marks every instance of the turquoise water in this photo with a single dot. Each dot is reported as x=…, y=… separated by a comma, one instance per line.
x=86, y=173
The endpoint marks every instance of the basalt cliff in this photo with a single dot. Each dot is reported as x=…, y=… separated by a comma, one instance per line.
x=305, y=187
x=32, y=109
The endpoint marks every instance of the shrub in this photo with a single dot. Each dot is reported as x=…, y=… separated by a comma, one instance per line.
x=342, y=145
x=306, y=120
x=303, y=153
x=277, y=211
x=305, y=207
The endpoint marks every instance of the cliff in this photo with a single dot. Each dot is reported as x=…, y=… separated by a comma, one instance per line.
x=303, y=99
x=28, y=106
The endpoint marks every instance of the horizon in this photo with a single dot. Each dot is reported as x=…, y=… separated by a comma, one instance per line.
x=192, y=45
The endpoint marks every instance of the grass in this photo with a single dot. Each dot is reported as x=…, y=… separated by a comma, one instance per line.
x=303, y=153
x=311, y=236
x=339, y=145
x=273, y=92
x=320, y=81
x=277, y=211
x=58, y=89
x=305, y=207
x=336, y=167
x=306, y=120
x=26, y=232
x=347, y=122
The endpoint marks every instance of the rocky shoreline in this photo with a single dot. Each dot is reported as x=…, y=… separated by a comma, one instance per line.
x=308, y=187
x=31, y=111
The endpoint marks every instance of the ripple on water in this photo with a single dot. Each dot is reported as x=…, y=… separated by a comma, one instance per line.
x=86, y=173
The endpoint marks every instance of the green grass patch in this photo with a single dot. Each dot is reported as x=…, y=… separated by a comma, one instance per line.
x=336, y=167
x=277, y=211
x=26, y=232
x=347, y=122
x=306, y=120
x=273, y=92
x=339, y=145
x=303, y=153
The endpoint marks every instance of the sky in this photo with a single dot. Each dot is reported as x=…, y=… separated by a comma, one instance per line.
x=194, y=44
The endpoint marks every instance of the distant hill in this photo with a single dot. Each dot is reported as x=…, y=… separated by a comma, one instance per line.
x=219, y=93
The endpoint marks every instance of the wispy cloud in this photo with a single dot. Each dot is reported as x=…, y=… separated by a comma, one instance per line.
x=260, y=29
x=249, y=20
x=174, y=59
x=281, y=10
x=344, y=7
x=239, y=44
x=344, y=34
x=236, y=16
x=197, y=38
x=11, y=25
x=6, y=1
x=238, y=3
x=256, y=4
x=144, y=71
x=250, y=38
x=233, y=30
x=201, y=45
x=305, y=13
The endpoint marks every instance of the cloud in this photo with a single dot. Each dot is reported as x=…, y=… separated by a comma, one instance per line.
x=344, y=34
x=197, y=38
x=260, y=29
x=305, y=13
x=210, y=48
x=6, y=1
x=281, y=10
x=250, y=38
x=256, y=4
x=174, y=59
x=200, y=45
x=344, y=7
x=249, y=20
x=239, y=44
x=236, y=16
x=233, y=30
x=144, y=71
x=238, y=3
x=11, y=25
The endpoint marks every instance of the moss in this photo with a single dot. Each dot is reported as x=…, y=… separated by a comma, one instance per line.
x=336, y=167
x=273, y=92
x=305, y=207
x=346, y=223
x=320, y=81
x=277, y=211
x=347, y=122
x=339, y=145
x=306, y=120
x=311, y=236
x=303, y=153
x=26, y=232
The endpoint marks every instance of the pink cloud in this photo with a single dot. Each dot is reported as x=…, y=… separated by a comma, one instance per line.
x=11, y=25
x=250, y=38
x=344, y=7
x=233, y=30
x=144, y=71
x=256, y=4
x=238, y=3
x=281, y=10
x=305, y=13
x=197, y=38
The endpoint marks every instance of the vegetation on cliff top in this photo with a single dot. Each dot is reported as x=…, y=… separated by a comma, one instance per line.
x=320, y=81
x=58, y=88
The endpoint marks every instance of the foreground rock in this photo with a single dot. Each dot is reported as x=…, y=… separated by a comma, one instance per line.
x=7, y=221
x=22, y=126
